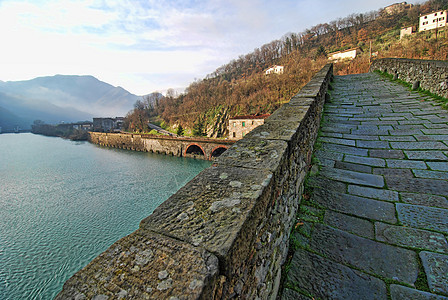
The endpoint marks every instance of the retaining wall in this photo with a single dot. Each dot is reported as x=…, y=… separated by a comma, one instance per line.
x=431, y=75
x=225, y=234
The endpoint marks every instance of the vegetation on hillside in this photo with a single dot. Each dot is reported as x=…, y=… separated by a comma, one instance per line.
x=241, y=87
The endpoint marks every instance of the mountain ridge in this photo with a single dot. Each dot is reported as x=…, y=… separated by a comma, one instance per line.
x=62, y=98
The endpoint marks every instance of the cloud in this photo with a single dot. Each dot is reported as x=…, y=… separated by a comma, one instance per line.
x=149, y=45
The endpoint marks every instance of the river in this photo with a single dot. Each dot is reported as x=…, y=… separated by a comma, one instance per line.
x=62, y=203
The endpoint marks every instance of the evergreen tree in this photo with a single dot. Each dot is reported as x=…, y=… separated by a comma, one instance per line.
x=180, y=130
x=199, y=127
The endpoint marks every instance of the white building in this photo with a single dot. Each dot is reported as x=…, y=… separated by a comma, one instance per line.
x=274, y=70
x=343, y=55
x=406, y=31
x=433, y=20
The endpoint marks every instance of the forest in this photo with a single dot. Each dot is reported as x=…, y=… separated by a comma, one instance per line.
x=241, y=87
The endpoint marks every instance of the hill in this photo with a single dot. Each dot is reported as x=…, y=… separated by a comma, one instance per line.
x=67, y=98
x=241, y=87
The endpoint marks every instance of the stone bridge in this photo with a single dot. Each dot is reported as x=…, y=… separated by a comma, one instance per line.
x=179, y=146
x=370, y=221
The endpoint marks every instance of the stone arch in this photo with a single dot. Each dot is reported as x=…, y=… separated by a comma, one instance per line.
x=194, y=149
x=217, y=151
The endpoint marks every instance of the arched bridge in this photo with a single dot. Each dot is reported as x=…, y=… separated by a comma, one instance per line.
x=203, y=148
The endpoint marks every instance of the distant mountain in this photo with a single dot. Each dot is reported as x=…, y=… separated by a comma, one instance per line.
x=61, y=98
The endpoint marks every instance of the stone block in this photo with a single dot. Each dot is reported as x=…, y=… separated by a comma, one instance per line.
x=423, y=217
x=372, y=144
x=380, y=194
x=418, y=145
x=417, y=185
x=145, y=265
x=355, y=205
x=399, y=292
x=345, y=149
x=386, y=153
x=424, y=199
x=365, y=254
x=350, y=224
x=322, y=278
x=410, y=237
x=337, y=141
x=254, y=153
x=430, y=174
x=369, y=161
x=353, y=177
x=212, y=209
x=405, y=164
x=426, y=155
x=438, y=165
x=436, y=269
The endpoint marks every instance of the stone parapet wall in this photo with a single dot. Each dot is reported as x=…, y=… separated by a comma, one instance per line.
x=176, y=146
x=431, y=75
x=225, y=234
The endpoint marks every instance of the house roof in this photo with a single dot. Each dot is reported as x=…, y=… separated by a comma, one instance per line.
x=250, y=117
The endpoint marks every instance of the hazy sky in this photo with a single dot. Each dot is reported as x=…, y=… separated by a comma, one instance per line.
x=149, y=45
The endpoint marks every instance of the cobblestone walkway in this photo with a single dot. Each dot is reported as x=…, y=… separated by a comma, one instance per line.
x=376, y=223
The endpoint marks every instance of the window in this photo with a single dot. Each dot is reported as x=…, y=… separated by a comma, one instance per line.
x=244, y=124
x=435, y=14
x=234, y=134
x=234, y=124
x=252, y=122
x=426, y=17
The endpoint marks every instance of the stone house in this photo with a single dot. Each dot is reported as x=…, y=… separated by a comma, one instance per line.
x=108, y=124
x=406, y=31
x=239, y=126
x=396, y=8
x=274, y=70
x=432, y=21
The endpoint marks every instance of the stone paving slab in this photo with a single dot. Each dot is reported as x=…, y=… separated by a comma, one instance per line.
x=369, y=161
x=404, y=173
x=352, y=167
x=424, y=199
x=438, y=166
x=355, y=205
x=418, y=145
x=365, y=254
x=350, y=224
x=353, y=177
x=423, y=217
x=428, y=155
x=386, y=153
x=430, y=174
x=345, y=149
x=399, y=292
x=405, y=164
x=325, y=279
x=436, y=268
x=418, y=185
x=379, y=194
x=410, y=237
x=337, y=141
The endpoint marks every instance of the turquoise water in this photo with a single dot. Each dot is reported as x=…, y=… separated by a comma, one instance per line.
x=62, y=203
